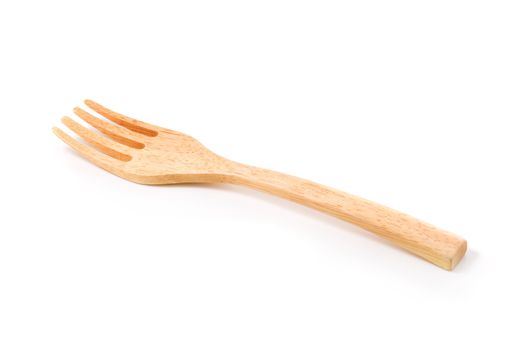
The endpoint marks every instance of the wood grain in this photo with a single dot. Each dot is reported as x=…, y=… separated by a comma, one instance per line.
x=150, y=154
x=435, y=245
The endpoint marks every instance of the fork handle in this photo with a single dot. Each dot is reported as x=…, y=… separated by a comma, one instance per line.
x=433, y=244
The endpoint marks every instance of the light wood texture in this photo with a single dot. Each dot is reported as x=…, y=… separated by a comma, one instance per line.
x=149, y=154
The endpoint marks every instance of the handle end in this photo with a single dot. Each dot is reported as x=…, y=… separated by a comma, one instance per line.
x=459, y=253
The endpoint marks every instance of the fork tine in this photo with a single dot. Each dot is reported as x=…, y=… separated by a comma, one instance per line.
x=127, y=122
x=120, y=134
x=103, y=144
x=104, y=161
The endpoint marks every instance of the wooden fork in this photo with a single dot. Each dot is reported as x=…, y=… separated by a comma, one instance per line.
x=149, y=154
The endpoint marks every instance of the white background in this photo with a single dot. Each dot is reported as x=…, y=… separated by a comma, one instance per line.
x=401, y=102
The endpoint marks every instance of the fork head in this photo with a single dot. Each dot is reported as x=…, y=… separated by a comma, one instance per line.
x=142, y=152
